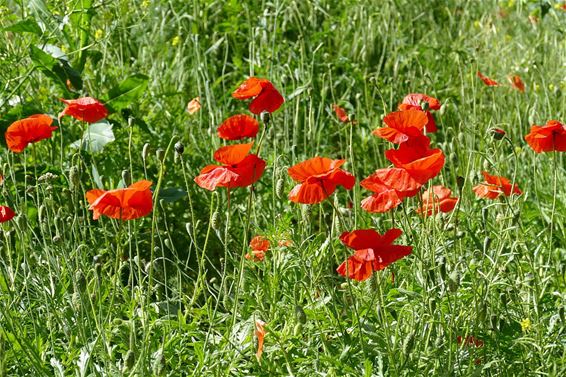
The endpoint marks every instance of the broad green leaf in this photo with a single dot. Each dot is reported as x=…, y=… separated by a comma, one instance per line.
x=95, y=138
x=127, y=92
x=55, y=67
x=25, y=26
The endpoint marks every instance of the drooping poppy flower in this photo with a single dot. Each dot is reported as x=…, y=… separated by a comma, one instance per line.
x=470, y=341
x=486, y=80
x=265, y=96
x=123, y=204
x=416, y=157
x=498, y=133
x=374, y=252
x=402, y=125
x=238, y=169
x=318, y=177
x=390, y=187
x=494, y=186
x=258, y=245
x=437, y=199
x=260, y=335
x=29, y=130
x=341, y=113
x=6, y=214
x=517, y=83
x=238, y=127
x=193, y=106
x=86, y=109
x=416, y=101
x=547, y=138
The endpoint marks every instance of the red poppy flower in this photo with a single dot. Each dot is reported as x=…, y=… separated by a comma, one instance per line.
x=266, y=96
x=374, y=252
x=494, y=186
x=486, y=80
x=390, y=187
x=6, y=214
x=414, y=101
x=86, y=109
x=437, y=199
x=259, y=245
x=402, y=125
x=124, y=204
x=318, y=177
x=341, y=113
x=29, y=130
x=238, y=127
x=416, y=157
x=238, y=169
x=517, y=83
x=547, y=138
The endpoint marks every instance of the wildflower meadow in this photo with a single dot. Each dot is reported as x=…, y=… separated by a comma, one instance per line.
x=282, y=188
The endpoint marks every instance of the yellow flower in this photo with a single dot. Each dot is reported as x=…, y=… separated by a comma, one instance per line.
x=175, y=41
x=98, y=34
x=145, y=3
x=525, y=324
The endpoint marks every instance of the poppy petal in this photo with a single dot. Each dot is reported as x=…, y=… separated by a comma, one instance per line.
x=381, y=202
x=268, y=100
x=216, y=176
x=238, y=127
x=486, y=80
x=86, y=109
x=232, y=154
x=312, y=192
x=361, y=239
x=248, y=89
x=6, y=214
x=29, y=130
x=313, y=166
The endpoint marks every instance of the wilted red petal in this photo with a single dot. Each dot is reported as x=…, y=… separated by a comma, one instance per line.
x=232, y=154
x=6, y=214
x=213, y=176
x=517, y=83
x=238, y=127
x=193, y=106
x=487, y=81
x=437, y=199
x=260, y=334
x=502, y=183
x=340, y=113
x=86, y=109
x=29, y=130
x=486, y=191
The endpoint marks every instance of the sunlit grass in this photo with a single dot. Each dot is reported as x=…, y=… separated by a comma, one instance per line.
x=171, y=294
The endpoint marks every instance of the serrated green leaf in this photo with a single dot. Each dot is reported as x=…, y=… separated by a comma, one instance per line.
x=127, y=92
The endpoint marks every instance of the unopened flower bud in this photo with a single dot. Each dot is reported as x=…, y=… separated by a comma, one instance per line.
x=179, y=148
x=74, y=178
x=126, y=177
x=497, y=133
x=265, y=117
x=145, y=151
x=160, y=154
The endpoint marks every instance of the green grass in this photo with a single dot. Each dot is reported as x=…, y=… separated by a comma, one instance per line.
x=171, y=294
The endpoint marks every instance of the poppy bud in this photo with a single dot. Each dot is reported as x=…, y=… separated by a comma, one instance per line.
x=424, y=105
x=460, y=181
x=497, y=133
x=129, y=360
x=486, y=165
x=56, y=238
x=168, y=244
x=265, y=117
x=74, y=178
x=158, y=363
x=300, y=313
x=461, y=138
x=486, y=243
x=188, y=228
x=160, y=154
x=214, y=221
x=179, y=148
x=460, y=234
x=484, y=214
x=145, y=151
x=126, y=177
x=279, y=188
